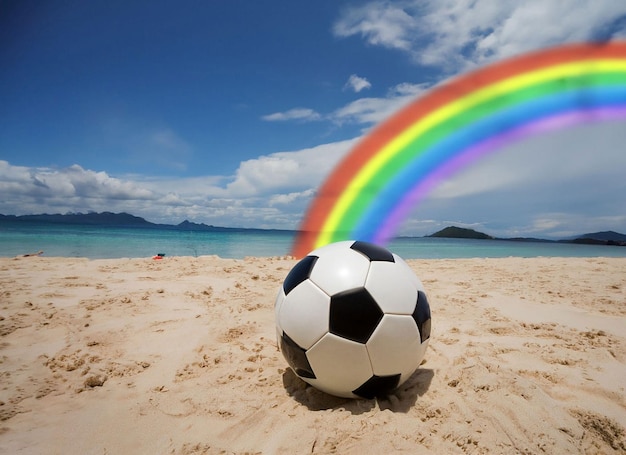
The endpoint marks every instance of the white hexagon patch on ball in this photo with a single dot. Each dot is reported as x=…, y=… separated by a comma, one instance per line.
x=353, y=320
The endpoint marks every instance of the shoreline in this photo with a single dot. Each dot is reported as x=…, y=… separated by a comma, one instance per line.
x=117, y=244
x=179, y=356
x=287, y=257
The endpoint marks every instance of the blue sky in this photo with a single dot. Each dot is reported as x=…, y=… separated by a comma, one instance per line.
x=232, y=112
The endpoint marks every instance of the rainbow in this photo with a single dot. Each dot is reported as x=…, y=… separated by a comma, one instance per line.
x=395, y=166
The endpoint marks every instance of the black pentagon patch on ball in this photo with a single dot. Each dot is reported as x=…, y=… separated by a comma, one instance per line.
x=300, y=272
x=296, y=357
x=421, y=315
x=378, y=386
x=354, y=314
x=372, y=252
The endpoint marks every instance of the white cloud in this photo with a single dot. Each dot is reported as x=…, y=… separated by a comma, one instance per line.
x=290, y=198
x=357, y=83
x=460, y=34
x=380, y=23
x=300, y=113
x=73, y=182
x=303, y=169
x=271, y=191
x=32, y=190
x=366, y=111
x=373, y=110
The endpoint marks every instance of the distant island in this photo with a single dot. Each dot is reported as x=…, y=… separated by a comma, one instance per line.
x=126, y=220
x=453, y=232
x=595, y=238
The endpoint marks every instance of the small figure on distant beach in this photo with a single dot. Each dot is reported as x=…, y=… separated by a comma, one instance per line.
x=27, y=255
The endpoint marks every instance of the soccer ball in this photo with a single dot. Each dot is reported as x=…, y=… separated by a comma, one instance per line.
x=352, y=320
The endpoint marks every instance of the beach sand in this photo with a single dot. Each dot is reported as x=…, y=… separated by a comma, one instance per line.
x=178, y=356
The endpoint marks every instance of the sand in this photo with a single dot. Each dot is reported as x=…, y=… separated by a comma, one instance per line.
x=178, y=356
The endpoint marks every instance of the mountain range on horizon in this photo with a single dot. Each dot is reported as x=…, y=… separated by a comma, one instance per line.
x=127, y=220
x=118, y=220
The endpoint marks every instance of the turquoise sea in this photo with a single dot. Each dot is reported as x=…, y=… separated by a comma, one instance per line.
x=111, y=242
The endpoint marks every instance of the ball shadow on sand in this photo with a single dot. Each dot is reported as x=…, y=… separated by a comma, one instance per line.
x=400, y=400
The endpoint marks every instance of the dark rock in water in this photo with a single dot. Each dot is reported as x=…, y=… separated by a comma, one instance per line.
x=453, y=232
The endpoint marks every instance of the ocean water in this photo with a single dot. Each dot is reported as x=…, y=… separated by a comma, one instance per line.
x=111, y=242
